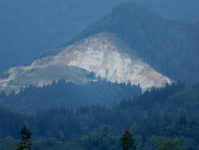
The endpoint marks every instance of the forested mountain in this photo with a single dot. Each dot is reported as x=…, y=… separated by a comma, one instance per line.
x=181, y=10
x=28, y=28
x=149, y=122
x=103, y=54
x=70, y=95
x=93, y=115
x=170, y=47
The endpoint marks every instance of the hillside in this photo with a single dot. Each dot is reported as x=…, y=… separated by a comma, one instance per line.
x=70, y=95
x=28, y=28
x=39, y=76
x=104, y=54
x=181, y=10
x=170, y=47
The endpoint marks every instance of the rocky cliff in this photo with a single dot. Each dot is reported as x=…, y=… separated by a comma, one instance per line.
x=103, y=54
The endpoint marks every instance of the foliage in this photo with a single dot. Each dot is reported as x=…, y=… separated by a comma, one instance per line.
x=171, y=111
x=173, y=10
x=54, y=23
x=127, y=141
x=70, y=95
x=91, y=75
x=167, y=144
x=52, y=52
x=170, y=47
x=9, y=138
x=25, y=143
x=51, y=140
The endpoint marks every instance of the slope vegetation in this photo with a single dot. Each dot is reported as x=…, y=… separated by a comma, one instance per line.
x=28, y=28
x=171, y=47
x=103, y=54
x=40, y=76
x=70, y=95
x=171, y=111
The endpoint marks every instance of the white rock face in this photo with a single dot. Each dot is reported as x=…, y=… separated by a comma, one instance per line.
x=99, y=54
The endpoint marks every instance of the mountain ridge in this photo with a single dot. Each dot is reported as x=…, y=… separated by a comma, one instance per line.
x=170, y=47
x=97, y=53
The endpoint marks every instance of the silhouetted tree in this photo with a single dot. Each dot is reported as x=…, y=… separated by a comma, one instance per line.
x=25, y=143
x=127, y=141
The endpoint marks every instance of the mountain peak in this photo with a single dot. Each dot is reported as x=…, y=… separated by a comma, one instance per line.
x=103, y=53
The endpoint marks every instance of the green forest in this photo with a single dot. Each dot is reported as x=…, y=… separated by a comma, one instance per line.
x=171, y=111
x=70, y=95
x=170, y=47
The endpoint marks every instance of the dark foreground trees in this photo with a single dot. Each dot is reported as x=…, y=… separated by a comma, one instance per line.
x=127, y=141
x=25, y=143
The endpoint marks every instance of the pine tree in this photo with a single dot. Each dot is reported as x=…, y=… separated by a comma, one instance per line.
x=127, y=141
x=25, y=143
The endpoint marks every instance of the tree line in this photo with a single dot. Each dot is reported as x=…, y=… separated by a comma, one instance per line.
x=171, y=111
x=170, y=47
x=101, y=141
x=70, y=95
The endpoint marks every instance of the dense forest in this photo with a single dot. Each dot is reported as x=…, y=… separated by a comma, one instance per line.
x=170, y=47
x=70, y=95
x=28, y=28
x=181, y=10
x=170, y=111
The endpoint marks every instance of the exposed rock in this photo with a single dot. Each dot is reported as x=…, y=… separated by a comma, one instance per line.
x=100, y=54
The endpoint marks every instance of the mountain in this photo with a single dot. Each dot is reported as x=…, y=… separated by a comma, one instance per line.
x=28, y=28
x=170, y=47
x=104, y=54
x=40, y=76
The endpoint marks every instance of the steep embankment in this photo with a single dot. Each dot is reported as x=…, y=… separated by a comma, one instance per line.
x=102, y=53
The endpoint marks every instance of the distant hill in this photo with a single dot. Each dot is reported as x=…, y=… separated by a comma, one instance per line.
x=28, y=28
x=170, y=47
x=101, y=55
x=38, y=76
x=67, y=94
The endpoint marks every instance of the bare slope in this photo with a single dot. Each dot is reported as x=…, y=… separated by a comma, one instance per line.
x=41, y=75
x=102, y=53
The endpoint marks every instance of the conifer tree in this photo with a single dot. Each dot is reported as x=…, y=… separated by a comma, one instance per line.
x=127, y=141
x=25, y=143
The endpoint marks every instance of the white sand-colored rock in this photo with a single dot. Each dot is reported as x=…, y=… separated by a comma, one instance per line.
x=99, y=54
